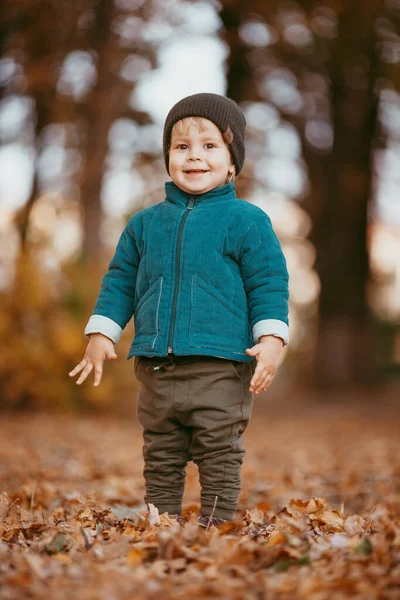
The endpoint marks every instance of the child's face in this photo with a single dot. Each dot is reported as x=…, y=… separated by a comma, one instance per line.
x=199, y=159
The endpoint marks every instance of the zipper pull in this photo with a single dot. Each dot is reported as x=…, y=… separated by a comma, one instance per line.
x=191, y=202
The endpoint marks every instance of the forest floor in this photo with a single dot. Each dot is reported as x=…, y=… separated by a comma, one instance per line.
x=318, y=517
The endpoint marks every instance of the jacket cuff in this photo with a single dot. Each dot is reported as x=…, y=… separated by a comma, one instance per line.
x=104, y=325
x=271, y=327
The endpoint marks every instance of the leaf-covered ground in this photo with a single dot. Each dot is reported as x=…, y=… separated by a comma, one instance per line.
x=319, y=513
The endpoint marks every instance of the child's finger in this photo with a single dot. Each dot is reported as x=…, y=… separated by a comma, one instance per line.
x=86, y=371
x=266, y=382
x=257, y=385
x=255, y=380
x=78, y=368
x=98, y=372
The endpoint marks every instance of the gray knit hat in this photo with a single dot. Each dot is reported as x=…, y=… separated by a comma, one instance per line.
x=223, y=112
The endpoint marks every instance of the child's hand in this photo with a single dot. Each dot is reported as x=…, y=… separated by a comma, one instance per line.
x=99, y=348
x=267, y=353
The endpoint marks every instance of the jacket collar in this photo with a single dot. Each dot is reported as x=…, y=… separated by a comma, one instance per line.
x=177, y=196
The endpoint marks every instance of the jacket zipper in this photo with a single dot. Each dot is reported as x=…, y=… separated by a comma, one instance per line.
x=177, y=262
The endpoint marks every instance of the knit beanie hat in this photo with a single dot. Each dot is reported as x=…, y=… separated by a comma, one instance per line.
x=223, y=112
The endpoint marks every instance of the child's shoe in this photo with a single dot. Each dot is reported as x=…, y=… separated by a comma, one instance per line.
x=205, y=521
x=179, y=518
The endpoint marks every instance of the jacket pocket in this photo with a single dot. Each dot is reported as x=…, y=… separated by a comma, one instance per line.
x=146, y=312
x=215, y=321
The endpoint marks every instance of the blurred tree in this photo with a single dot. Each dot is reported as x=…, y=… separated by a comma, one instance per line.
x=35, y=35
x=328, y=54
x=69, y=68
x=107, y=101
x=76, y=64
x=67, y=58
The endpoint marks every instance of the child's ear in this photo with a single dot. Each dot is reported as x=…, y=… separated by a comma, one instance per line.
x=231, y=169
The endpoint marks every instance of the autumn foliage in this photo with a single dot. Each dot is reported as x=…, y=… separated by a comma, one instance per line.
x=318, y=518
x=42, y=320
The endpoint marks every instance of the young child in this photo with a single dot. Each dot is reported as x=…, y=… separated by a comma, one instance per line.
x=204, y=275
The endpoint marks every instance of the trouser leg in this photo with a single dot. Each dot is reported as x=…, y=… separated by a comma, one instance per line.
x=166, y=441
x=220, y=414
x=165, y=459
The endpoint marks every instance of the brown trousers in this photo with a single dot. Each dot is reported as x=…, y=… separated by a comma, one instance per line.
x=193, y=408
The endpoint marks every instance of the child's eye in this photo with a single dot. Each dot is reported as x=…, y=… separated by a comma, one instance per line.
x=209, y=146
x=182, y=146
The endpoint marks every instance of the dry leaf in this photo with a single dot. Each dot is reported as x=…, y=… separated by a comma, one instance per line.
x=82, y=530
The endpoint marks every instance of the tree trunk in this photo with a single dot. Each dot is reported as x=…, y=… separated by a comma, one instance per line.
x=341, y=181
x=37, y=35
x=108, y=101
x=98, y=114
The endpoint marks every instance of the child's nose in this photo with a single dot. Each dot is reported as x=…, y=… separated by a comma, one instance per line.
x=194, y=155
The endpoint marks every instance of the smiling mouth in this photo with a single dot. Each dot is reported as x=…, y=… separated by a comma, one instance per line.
x=196, y=171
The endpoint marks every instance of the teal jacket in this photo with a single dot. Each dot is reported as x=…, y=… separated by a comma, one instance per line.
x=200, y=274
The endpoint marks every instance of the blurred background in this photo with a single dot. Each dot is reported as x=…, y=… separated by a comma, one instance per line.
x=85, y=87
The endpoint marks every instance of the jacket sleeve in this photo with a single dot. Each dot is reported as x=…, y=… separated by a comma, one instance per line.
x=115, y=302
x=266, y=280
